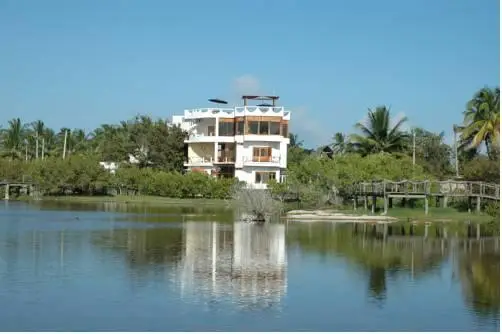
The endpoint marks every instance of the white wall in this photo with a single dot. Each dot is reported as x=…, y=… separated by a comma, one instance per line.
x=247, y=148
x=248, y=175
x=201, y=127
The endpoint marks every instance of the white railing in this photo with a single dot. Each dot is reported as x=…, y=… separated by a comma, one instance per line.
x=200, y=160
x=208, y=112
x=225, y=159
x=262, y=160
x=232, y=112
x=256, y=109
x=200, y=135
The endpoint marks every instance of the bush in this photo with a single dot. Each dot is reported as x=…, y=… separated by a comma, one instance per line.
x=84, y=176
x=317, y=180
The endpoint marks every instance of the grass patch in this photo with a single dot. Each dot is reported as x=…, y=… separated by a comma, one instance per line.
x=435, y=214
x=438, y=214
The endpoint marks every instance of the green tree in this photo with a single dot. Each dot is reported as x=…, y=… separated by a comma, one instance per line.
x=341, y=144
x=294, y=140
x=13, y=139
x=482, y=121
x=378, y=134
x=431, y=152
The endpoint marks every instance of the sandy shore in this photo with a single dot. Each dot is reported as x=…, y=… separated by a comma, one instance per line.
x=320, y=215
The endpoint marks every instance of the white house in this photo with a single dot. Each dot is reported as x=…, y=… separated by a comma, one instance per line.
x=249, y=142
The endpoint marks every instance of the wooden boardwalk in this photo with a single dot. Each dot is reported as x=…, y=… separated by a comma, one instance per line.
x=27, y=187
x=408, y=189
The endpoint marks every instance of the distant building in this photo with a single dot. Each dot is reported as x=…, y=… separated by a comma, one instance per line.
x=249, y=142
x=113, y=166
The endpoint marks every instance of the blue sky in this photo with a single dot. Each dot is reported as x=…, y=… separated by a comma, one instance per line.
x=82, y=63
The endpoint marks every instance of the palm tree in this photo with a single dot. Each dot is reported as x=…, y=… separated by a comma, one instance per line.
x=341, y=143
x=378, y=135
x=37, y=131
x=78, y=140
x=482, y=121
x=294, y=140
x=13, y=139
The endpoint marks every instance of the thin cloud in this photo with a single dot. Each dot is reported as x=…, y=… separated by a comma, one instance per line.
x=309, y=128
x=247, y=84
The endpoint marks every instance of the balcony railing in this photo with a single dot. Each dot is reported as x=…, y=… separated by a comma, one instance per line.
x=237, y=111
x=199, y=160
x=226, y=159
x=261, y=159
x=201, y=134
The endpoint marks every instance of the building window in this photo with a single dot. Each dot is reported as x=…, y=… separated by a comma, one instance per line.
x=275, y=128
x=285, y=132
x=253, y=127
x=263, y=128
x=262, y=154
x=239, y=127
x=226, y=127
x=210, y=130
x=264, y=177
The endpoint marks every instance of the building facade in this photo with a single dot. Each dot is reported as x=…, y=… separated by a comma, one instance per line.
x=249, y=142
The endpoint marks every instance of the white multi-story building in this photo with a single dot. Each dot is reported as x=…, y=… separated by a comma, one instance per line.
x=249, y=142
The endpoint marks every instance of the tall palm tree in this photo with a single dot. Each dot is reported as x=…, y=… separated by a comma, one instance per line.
x=78, y=140
x=36, y=135
x=294, y=140
x=13, y=139
x=482, y=121
x=341, y=144
x=378, y=134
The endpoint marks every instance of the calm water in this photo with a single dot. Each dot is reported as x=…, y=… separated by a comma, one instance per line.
x=87, y=268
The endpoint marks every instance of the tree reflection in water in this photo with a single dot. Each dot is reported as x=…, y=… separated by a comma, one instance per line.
x=405, y=249
x=479, y=273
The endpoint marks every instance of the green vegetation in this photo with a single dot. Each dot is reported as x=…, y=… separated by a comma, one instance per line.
x=151, y=152
x=143, y=200
x=381, y=149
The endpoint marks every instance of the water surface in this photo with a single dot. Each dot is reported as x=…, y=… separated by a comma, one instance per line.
x=87, y=267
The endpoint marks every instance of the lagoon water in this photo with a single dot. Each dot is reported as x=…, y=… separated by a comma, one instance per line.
x=88, y=267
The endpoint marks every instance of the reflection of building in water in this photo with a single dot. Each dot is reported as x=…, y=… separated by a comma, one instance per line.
x=246, y=265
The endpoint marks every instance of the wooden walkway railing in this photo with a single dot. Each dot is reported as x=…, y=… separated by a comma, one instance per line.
x=448, y=188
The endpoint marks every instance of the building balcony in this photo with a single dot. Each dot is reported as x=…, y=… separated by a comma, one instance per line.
x=200, y=113
x=199, y=161
x=208, y=113
x=208, y=138
x=262, y=161
x=225, y=159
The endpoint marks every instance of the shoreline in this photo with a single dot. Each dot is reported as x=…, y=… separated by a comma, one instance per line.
x=412, y=215
x=336, y=216
x=415, y=215
x=135, y=200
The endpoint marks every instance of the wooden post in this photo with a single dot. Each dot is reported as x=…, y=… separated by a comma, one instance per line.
x=426, y=205
x=385, y=204
x=445, y=202
x=366, y=203
x=426, y=233
x=373, y=204
x=478, y=204
x=355, y=203
x=7, y=191
x=478, y=231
